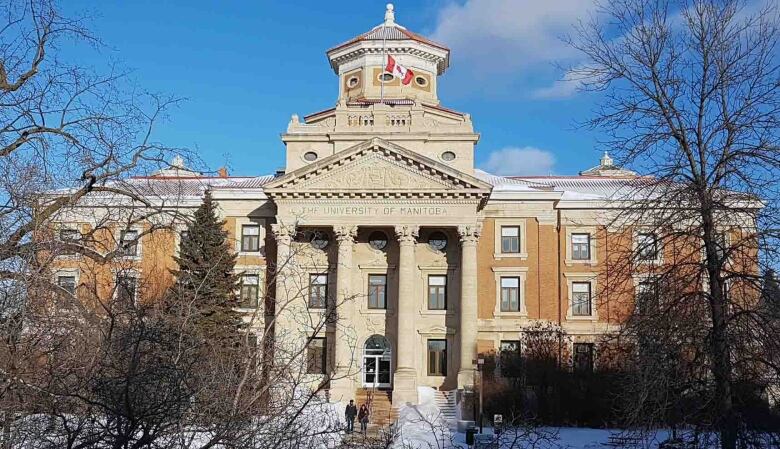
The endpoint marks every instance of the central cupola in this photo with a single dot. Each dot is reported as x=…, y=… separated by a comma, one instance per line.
x=361, y=64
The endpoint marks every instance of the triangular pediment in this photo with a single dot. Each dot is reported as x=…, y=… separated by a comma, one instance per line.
x=373, y=168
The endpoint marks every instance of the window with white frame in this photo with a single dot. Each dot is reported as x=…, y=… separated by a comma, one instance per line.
x=318, y=291
x=510, y=294
x=583, y=357
x=67, y=282
x=69, y=235
x=510, y=358
x=581, y=299
x=377, y=291
x=126, y=288
x=128, y=242
x=316, y=356
x=250, y=288
x=510, y=239
x=647, y=246
x=437, y=292
x=580, y=246
x=250, y=238
x=646, y=296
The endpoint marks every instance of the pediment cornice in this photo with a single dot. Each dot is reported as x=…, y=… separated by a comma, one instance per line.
x=377, y=169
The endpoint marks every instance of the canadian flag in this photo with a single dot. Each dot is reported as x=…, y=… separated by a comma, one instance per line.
x=398, y=70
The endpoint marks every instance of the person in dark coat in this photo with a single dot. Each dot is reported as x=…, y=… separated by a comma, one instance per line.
x=363, y=418
x=350, y=414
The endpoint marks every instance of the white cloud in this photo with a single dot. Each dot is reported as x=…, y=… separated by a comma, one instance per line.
x=489, y=37
x=516, y=161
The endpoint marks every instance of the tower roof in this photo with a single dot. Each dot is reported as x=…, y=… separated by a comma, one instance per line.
x=396, y=38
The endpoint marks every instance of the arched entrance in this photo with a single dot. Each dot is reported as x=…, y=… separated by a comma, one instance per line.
x=377, y=362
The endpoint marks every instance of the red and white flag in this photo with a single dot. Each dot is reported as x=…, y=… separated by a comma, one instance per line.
x=398, y=70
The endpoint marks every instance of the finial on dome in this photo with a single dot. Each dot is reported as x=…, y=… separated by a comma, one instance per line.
x=607, y=161
x=389, y=15
x=177, y=162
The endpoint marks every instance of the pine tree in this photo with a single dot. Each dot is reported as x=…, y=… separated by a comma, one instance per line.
x=206, y=283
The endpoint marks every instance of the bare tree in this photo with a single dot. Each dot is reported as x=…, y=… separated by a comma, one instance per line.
x=689, y=95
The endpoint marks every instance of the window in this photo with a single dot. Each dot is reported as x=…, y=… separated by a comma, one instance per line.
x=437, y=357
x=67, y=282
x=316, y=356
x=386, y=77
x=250, y=238
x=437, y=292
x=310, y=156
x=509, y=358
x=183, y=237
x=318, y=291
x=647, y=296
x=581, y=299
x=583, y=357
x=126, y=288
x=510, y=239
x=510, y=294
x=721, y=246
x=377, y=240
x=448, y=156
x=128, y=243
x=437, y=241
x=377, y=291
x=647, y=246
x=249, y=290
x=69, y=236
x=319, y=240
x=420, y=81
x=580, y=246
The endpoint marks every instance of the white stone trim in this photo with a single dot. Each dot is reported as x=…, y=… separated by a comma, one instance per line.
x=592, y=231
x=139, y=247
x=128, y=272
x=518, y=272
x=591, y=278
x=659, y=243
x=448, y=271
x=498, y=223
x=259, y=271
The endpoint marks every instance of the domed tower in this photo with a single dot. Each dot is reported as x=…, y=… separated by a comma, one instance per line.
x=361, y=64
x=388, y=80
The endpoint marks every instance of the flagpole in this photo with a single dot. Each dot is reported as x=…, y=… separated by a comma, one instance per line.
x=388, y=15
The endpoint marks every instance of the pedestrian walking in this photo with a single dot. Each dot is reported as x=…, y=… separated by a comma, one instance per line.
x=350, y=414
x=363, y=418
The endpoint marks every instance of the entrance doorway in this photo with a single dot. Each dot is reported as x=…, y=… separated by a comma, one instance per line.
x=377, y=362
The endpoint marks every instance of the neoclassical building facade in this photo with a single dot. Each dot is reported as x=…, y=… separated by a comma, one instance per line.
x=382, y=249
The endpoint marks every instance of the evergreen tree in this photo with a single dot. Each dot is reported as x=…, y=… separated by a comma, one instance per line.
x=206, y=283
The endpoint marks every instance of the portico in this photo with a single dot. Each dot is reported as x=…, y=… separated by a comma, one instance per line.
x=379, y=188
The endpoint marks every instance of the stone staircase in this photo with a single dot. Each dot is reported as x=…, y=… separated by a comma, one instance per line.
x=382, y=411
x=445, y=401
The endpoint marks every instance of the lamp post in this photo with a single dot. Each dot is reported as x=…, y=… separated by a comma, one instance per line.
x=480, y=364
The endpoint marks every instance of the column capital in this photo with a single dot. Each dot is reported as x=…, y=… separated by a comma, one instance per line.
x=407, y=233
x=282, y=234
x=469, y=234
x=345, y=234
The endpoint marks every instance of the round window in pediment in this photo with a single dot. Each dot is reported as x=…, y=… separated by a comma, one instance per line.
x=437, y=241
x=420, y=81
x=310, y=156
x=319, y=240
x=448, y=156
x=377, y=240
x=386, y=77
x=353, y=81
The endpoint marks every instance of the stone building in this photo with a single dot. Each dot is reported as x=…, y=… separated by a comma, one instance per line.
x=381, y=214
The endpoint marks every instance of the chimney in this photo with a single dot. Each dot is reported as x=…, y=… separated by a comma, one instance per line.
x=222, y=172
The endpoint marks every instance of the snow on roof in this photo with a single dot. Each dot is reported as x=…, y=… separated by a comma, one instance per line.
x=572, y=187
x=188, y=186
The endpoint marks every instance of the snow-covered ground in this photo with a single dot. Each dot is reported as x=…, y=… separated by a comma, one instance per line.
x=422, y=427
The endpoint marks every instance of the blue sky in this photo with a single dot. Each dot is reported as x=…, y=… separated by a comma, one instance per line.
x=245, y=66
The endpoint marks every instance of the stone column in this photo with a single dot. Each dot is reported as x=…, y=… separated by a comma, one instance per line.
x=342, y=386
x=405, y=377
x=286, y=338
x=469, y=234
x=283, y=236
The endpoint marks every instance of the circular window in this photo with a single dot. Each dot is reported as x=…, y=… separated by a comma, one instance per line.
x=420, y=81
x=437, y=241
x=353, y=81
x=377, y=240
x=386, y=77
x=310, y=156
x=448, y=156
x=319, y=240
